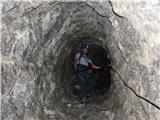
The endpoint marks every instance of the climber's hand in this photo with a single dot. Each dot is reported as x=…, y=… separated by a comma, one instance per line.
x=103, y=68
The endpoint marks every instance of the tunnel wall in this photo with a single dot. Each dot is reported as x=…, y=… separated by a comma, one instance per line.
x=133, y=50
x=34, y=34
x=35, y=41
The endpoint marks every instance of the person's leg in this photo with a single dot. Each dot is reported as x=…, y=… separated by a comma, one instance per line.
x=83, y=98
x=83, y=86
x=91, y=83
x=82, y=89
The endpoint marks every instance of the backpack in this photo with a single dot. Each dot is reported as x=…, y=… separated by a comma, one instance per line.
x=76, y=62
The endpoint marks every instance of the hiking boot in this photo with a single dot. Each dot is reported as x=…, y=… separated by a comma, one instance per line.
x=83, y=100
x=89, y=95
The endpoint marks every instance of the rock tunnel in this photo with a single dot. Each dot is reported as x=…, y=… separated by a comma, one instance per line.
x=40, y=39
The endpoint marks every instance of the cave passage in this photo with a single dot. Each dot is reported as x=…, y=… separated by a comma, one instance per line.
x=40, y=40
x=100, y=57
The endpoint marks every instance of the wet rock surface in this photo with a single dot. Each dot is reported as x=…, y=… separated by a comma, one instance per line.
x=40, y=38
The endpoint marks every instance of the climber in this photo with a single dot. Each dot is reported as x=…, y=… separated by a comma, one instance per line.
x=82, y=66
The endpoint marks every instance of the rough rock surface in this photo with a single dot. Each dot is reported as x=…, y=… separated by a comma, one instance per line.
x=37, y=38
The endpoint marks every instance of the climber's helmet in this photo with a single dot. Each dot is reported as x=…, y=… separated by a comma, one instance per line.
x=84, y=48
x=84, y=45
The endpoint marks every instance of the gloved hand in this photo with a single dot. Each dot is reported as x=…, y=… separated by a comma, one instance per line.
x=103, y=68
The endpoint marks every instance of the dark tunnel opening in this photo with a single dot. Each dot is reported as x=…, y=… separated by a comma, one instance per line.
x=99, y=56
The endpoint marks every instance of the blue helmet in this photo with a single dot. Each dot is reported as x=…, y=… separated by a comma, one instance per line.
x=83, y=45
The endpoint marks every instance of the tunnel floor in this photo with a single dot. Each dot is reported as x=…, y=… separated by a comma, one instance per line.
x=99, y=107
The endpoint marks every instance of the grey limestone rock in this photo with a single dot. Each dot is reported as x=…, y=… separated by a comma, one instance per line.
x=36, y=37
